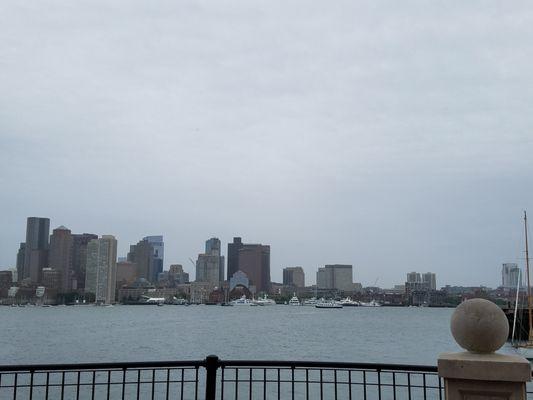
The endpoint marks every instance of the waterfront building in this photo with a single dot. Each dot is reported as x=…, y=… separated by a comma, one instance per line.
x=158, y=257
x=52, y=278
x=414, y=277
x=430, y=279
x=253, y=260
x=79, y=257
x=60, y=256
x=511, y=276
x=100, y=275
x=36, y=248
x=176, y=275
x=6, y=281
x=213, y=248
x=294, y=276
x=239, y=278
x=20, y=261
x=335, y=277
x=143, y=255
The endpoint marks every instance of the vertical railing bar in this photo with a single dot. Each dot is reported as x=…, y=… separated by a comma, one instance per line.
x=62, y=385
x=350, y=384
x=264, y=383
x=424, y=384
x=196, y=384
x=393, y=385
x=440, y=387
x=409, y=385
x=153, y=383
x=168, y=382
x=78, y=386
x=335, y=382
x=92, y=386
x=236, y=383
x=15, y=386
x=364, y=385
x=321, y=386
x=123, y=383
x=182, y=383
x=31, y=385
x=379, y=384
x=250, y=383
x=222, y=377
x=279, y=384
x=138, y=384
x=108, y=384
x=292, y=383
x=47, y=382
x=307, y=384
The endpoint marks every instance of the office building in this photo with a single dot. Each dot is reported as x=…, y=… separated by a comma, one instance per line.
x=52, y=278
x=294, y=276
x=176, y=275
x=511, y=276
x=143, y=255
x=36, y=248
x=335, y=276
x=79, y=257
x=126, y=273
x=208, y=269
x=253, y=260
x=159, y=255
x=20, y=261
x=414, y=277
x=213, y=248
x=100, y=274
x=60, y=256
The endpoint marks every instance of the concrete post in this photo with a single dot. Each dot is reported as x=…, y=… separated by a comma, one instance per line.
x=480, y=327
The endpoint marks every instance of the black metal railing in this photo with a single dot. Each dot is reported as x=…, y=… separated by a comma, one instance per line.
x=213, y=378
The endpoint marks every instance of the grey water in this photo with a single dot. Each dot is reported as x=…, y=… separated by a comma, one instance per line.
x=73, y=334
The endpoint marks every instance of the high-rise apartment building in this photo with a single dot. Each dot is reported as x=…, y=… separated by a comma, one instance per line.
x=159, y=255
x=294, y=276
x=430, y=280
x=60, y=256
x=36, y=249
x=79, y=256
x=100, y=274
x=253, y=260
x=335, y=276
x=414, y=277
x=511, y=276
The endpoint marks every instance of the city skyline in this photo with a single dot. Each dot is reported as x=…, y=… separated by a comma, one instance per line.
x=391, y=136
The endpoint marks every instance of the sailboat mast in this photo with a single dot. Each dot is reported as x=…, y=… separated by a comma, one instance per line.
x=530, y=320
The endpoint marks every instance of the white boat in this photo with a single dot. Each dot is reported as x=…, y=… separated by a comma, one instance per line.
x=347, y=302
x=310, y=302
x=294, y=301
x=328, y=304
x=372, y=303
x=265, y=301
x=243, y=301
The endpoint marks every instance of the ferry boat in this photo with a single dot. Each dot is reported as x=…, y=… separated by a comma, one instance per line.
x=328, y=304
x=294, y=301
x=310, y=302
x=265, y=301
x=347, y=302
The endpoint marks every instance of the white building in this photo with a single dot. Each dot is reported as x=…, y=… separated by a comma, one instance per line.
x=511, y=276
x=101, y=270
x=430, y=279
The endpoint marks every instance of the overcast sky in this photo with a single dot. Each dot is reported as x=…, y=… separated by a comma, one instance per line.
x=391, y=135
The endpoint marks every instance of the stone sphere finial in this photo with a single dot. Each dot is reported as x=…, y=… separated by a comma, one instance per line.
x=479, y=326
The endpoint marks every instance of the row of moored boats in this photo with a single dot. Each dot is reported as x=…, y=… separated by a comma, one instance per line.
x=294, y=301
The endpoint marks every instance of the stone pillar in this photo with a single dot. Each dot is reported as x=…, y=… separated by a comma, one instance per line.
x=480, y=327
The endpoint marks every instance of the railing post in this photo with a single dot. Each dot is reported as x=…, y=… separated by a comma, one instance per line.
x=211, y=367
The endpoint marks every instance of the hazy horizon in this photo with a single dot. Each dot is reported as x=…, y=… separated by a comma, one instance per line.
x=395, y=137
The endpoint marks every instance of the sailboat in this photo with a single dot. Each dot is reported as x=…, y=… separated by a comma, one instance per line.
x=526, y=348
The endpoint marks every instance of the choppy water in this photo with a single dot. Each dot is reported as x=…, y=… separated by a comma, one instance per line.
x=139, y=333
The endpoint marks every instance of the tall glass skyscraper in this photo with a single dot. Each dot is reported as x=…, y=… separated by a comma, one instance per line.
x=36, y=248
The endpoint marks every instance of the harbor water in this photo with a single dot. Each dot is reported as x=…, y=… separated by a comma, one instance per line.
x=143, y=333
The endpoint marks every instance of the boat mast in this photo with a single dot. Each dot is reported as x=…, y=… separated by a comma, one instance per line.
x=530, y=320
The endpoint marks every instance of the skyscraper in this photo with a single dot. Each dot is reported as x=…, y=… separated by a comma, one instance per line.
x=142, y=255
x=36, y=249
x=414, y=277
x=233, y=256
x=254, y=261
x=100, y=274
x=79, y=256
x=20, y=261
x=294, y=276
x=430, y=280
x=214, y=248
x=159, y=255
x=60, y=257
x=210, y=265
